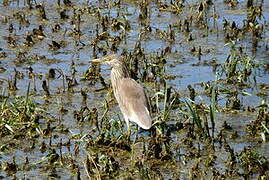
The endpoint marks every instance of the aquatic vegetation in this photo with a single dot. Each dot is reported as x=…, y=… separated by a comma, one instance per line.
x=203, y=64
x=252, y=162
x=20, y=117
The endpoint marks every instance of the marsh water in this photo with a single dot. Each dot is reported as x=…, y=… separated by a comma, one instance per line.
x=60, y=120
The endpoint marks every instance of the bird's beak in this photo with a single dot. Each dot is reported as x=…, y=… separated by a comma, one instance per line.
x=100, y=60
x=96, y=61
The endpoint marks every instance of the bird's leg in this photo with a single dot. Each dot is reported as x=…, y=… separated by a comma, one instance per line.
x=128, y=131
x=136, y=134
x=128, y=128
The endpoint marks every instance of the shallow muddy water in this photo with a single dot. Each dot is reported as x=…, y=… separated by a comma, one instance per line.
x=52, y=130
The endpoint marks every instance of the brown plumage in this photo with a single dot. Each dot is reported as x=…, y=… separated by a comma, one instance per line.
x=129, y=94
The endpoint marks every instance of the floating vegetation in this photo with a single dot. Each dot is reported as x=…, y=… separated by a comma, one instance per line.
x=203, y=64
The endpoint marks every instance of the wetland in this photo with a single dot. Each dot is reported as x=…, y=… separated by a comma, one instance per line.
x=204, y=65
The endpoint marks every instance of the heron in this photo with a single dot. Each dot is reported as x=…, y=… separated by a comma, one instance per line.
x=130, y=95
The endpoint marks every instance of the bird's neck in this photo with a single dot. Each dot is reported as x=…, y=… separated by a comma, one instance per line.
x=117, y=74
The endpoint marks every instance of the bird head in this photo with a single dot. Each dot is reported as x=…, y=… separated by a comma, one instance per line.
x=113, y=60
